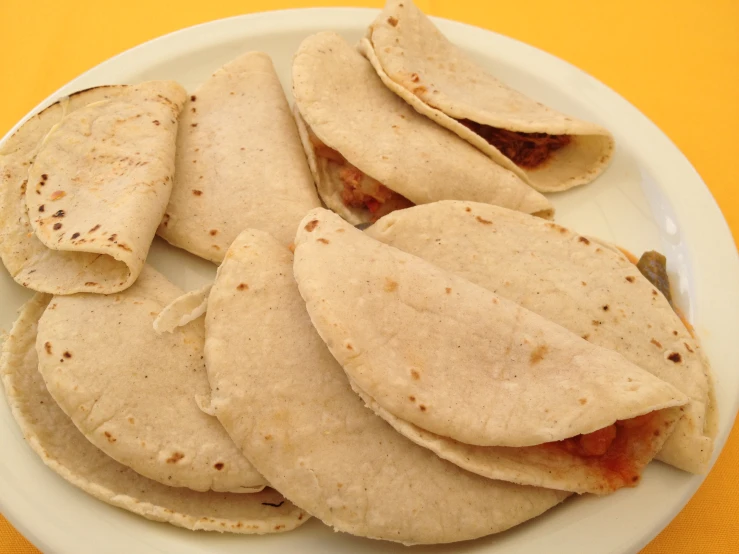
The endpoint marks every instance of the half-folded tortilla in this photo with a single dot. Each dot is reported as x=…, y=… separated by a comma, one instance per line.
x=239, y=162
x=53, y=436
x=550, y=150
x=593, y=291
x=135, y=393
x=297, y=419
x=461, y=362
x=84, y=186
x=371, y=153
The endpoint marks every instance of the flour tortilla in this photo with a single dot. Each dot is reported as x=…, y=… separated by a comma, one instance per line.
x=51, y=435
x=297, y=419
x=576, y=282
x=454, y=358
x=104, y=151
x=418, y=63
x=239, y=162
x=134, y=393
x=339, y=97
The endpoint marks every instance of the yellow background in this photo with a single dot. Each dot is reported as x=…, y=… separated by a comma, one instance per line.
x=676, y=60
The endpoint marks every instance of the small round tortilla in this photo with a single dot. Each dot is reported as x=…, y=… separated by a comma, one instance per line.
x=52, y=435
x=288, y=405
x=418, y=63
x=342, y=100
x=454, y=358
x=132, y=391
x=577, y=282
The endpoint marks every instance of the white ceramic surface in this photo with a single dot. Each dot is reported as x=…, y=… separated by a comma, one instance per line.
x=650, y=197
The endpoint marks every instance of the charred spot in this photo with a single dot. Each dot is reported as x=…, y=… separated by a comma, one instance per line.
x=584, y=240
x=75, y=235
x=176, y=457
x=596, y=322
x=311, y=225
x=94, y=228
x=47, y=347
x=242, y=286
x=213, y=232
x=112, y=237
x=635, y=478
x=390, y=285
x=675, y=333
x=193, y=110
x=41, y=208
x=630, y=279
x=273, y=505
x=412, y=398
x=656, y=343
x=58, y=213
x=675, y=357
x=111, y=438
x=538, y=354
x=483, y=221
x=657, y=432
x=125, y=247
x=90, y=283
x=193, y=98
x=219, y=466
x=44, y=177
x=67, y=354
x=687, y=347
x=422, y=407
x=193, y=124
x=57, y=226
x=324, y=241
x=165, y=220
x=654, y=292
x=197, y=192
x=278, y=527
x=468, y=209
x=300, y=517
x=392, y=21
x=448, y=290
x=414, y=77
x=605, y=307
x=156, y=122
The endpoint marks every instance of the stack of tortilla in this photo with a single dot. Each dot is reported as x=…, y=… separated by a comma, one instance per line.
x=459, y=368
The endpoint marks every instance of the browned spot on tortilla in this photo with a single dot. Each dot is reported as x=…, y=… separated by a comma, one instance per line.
x=583, y=401
x=193, y=124
x=213, y=232
x=414, y=77
x=339, y=230
x=193, y=98
x=468, y=209
x=57, y=194
x=422, y=407
x=94, y=228
x=414, y=373
x=483, y=221
x=41, y=208
x=583, y=283
x=57, y=226
x=599, y=250
x=675, y=357
x=111, y=438
x=176, y=457
x=448, y=290
x=300, y=517
x=67, y=354
x=419, y=90
x=311, y=225
x=605, y=307
x=155, y=122
x=349, y=347
x=538, y=353
x=219, y=466
x=687, y=347
x=90, y=283
x=584, y=240
x=392, y=21
x=131, y=420
x=654, y=292
x=412, y=398
x=656, y=343
x=242, y=286
x=324, y=241
x=630, y=279
x=268, y=437
x=197, y=192
x=125, y=247
x=58, y=213
x=44, y=176
x=291, y=247
x=193, y=110
x=47, y=347
x=390, y=285
x=586, y=336
x=675, y=333
x=278, y=527
x=596, y=322
x=75, y=235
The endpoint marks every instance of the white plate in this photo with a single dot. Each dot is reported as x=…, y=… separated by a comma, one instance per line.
x=650, y=197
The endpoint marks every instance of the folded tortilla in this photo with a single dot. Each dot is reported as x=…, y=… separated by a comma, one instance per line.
x=296, y=418
x=84, y=186
x=371, y=153
x=456, y=360
x=55, y=439
x=593, y=291
x=135, y=393
x=239, y=162
x=550, y=150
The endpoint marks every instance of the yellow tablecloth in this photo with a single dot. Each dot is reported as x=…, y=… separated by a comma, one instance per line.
x=676, y=60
